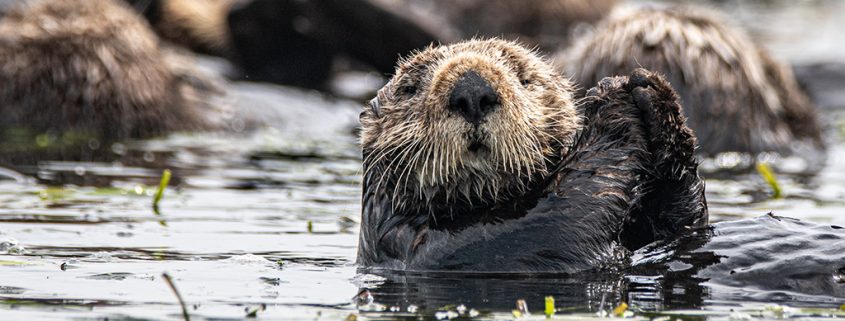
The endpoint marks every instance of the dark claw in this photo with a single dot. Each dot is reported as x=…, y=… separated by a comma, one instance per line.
x=639, y=78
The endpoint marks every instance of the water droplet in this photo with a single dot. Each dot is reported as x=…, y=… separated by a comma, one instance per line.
x=363, y=298
x=462, y=309
x=839, y=276
x=118, y=149
x=94, y=144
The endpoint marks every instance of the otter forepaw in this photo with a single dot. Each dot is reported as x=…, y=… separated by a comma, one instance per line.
x=675, y=198
x=671, y=142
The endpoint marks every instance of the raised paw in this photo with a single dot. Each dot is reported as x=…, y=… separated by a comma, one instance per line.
x=671, y=142
x=675, y=196
x=643, y=112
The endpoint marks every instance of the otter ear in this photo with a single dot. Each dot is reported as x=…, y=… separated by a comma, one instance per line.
x=376, y=102
x=375, y=106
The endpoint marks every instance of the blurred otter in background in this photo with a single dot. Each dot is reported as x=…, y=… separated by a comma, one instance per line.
x=91, y=69
x=544, y=23
x=289, y=42
x=737, y=98
x=199, y=25
x=294, y=42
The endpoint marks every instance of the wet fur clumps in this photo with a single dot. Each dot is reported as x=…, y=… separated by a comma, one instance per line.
x=94, y=68
x=559, y=186
x=737, y=97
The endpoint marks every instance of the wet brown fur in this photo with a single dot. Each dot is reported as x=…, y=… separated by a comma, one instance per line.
x=91, y=66
x=737, y=97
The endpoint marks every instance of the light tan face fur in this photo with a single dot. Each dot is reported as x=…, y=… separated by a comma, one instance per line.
x=427, y=149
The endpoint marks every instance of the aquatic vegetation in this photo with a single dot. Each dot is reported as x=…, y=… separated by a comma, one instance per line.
x=162, y=185
x=12, y=263
x=167, y=278
x=550, y=306
x=620, y=310
x=22, y=140
x=768, y=175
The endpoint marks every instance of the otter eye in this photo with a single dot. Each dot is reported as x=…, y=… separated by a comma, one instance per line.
x=408, y=90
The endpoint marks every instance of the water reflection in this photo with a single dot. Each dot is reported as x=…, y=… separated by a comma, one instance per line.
x=783, y=261
x=432, y=291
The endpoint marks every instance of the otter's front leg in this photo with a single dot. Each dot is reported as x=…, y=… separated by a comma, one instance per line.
x=674, y=194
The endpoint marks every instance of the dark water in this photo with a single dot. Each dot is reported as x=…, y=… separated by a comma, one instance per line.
x=267, y=222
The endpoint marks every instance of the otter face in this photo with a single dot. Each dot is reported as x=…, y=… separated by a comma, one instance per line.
x=478, y=120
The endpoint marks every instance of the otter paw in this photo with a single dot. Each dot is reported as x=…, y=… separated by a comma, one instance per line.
x=670, y=141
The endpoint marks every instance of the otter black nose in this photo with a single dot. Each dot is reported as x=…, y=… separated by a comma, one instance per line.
x=473, y=98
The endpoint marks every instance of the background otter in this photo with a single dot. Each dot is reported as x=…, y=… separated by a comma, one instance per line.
x=476, y=149
x=544, y=23
x=297, y=42
x=92, y=68
x=737, y=98
x=196, y=24
x=289, y=42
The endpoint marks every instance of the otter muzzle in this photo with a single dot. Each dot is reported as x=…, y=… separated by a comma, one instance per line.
x=473, y=98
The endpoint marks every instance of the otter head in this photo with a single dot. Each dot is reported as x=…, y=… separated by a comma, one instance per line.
x=470, y=123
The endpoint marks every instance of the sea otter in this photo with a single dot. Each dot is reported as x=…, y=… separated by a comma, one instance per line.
x=196, y=24
x=289, y=42
x=91, y=68
x=736, y=97
x=477, y=157
x=548, y=24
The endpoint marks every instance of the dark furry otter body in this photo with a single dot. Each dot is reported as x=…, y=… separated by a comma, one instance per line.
x=736, y=97
x=476, y=158
x=91, y=67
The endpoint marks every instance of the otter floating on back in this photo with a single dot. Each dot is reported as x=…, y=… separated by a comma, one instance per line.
x=93, y=68
x=737, y=98
x=476, y=157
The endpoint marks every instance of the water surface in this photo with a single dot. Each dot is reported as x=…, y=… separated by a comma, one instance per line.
x=266, y=222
